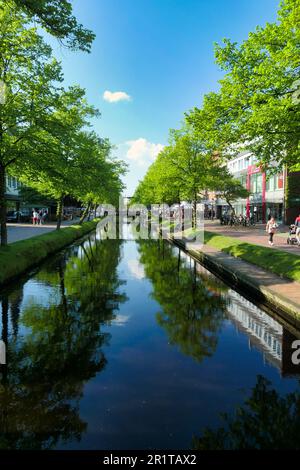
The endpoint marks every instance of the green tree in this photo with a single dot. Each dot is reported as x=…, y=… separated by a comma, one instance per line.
x=183, y=170
x=192, y=307
x=102, y=183
x=30, y=74
x=266, y=421
x=61, y=150
x=160, y=184
x=33, y=198
x=60, y=348
x=231, y=189
x=258, y=104
x=57, y=18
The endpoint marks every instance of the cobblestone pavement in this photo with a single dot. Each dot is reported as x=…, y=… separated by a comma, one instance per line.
x=256, y=235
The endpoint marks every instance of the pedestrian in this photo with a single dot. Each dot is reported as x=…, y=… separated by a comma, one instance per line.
x=271, y=229
x=35, y=217
x=44, y=216
x=297, y=225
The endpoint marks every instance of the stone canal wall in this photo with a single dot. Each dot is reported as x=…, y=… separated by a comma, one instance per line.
x=283, y=295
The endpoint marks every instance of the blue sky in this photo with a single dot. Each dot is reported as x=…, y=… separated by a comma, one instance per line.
x=160, y=53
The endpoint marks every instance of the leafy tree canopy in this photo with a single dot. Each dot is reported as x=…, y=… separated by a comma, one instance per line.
x=258, y=105
x=57, y=18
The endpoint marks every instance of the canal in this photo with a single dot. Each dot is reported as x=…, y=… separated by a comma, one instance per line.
x=132, y=344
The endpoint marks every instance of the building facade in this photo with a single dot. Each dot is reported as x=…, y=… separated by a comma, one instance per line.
x=12, y=194
x=267, y=191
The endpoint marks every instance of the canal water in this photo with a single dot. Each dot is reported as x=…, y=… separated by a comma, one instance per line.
x=132, y=344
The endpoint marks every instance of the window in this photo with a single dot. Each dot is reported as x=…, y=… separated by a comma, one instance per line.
x=256, y=183
x=243, y=180
x=259, y=183
x=279, y=181
x=274, y=182
x=270, y=183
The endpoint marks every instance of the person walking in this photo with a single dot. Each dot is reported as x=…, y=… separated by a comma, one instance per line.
x=35, y=217
x=297, y=225
x=44, y=216
x=271, y=229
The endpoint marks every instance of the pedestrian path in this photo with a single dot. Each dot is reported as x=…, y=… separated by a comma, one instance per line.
x=256, y=235
x=281, y=292
x=17, y=232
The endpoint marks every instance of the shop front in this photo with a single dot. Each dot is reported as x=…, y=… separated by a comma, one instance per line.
x=256, y=202
x=275, y=210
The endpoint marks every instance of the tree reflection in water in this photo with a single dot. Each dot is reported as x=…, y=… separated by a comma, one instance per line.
x=47, y=367
x=266, y=421
x=192, y=305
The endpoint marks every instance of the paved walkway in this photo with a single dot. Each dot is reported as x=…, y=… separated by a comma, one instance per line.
x=281, y=292
x=256, y=235
x=17, y=232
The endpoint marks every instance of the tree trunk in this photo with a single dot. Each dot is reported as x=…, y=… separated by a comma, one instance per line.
x=3, y=228
x=85, y=213
x=231, y=207
x=59, y=211
x=194, y=216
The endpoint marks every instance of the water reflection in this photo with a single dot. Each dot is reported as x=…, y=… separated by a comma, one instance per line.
x=60, y=347
x=192, y=307
x=194, y=304
x=97, y=362
x=267, y=420
x=264, y=333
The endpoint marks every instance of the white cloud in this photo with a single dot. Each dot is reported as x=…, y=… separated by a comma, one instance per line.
x=114, y=97
x=136, y=269
x=120, y=320
x=142, y=152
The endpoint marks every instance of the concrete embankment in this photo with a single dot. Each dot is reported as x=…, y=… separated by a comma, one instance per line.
x=19, y=257
x=283, y=295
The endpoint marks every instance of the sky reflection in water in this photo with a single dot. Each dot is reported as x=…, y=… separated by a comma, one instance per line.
x=125, y=345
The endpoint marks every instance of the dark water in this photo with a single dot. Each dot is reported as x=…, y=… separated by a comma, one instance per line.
x=125, y=345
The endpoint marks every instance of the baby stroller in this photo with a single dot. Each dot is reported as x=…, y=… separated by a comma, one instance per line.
x=291, y=240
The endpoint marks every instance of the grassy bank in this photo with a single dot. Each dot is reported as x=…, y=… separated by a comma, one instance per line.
x=279, y=262
x=20, y=256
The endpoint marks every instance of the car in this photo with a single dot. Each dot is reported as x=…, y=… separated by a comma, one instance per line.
x=12, y=216
x=23, y=215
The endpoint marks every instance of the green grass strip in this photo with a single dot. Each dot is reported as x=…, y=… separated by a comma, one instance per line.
x=20, y=256
x=280, y=262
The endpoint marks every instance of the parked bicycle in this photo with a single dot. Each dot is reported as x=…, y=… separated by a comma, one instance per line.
x=235, y=221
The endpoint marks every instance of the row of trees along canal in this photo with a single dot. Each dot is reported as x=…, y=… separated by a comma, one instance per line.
x=257, y=108
x=46, y=138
